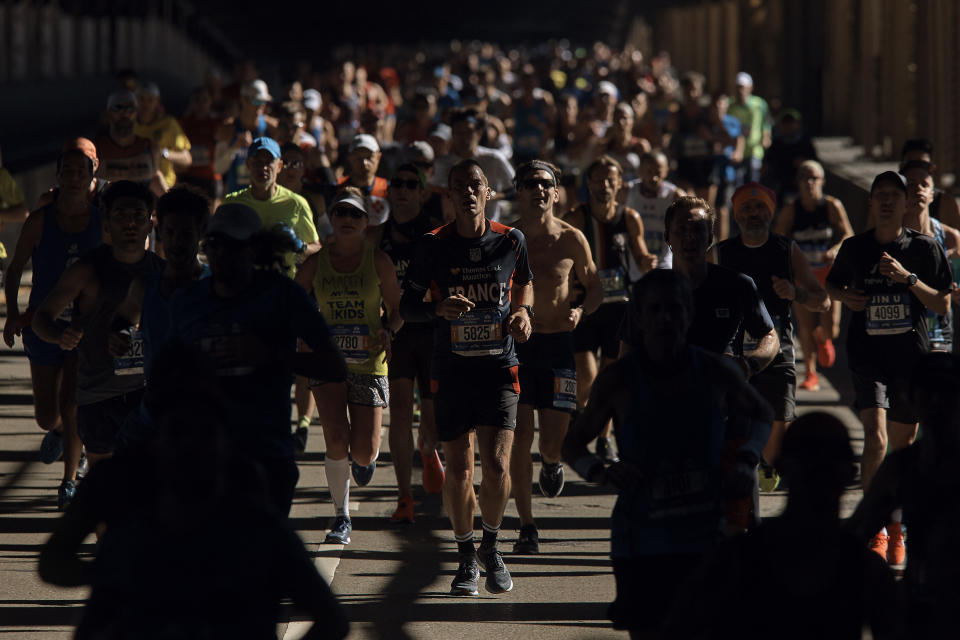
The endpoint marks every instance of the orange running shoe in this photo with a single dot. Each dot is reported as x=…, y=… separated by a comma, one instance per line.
x=896, y=551
x=811, y=382
x=826, y=354
x=878, y=544
x=432, y=471
x=404, y=512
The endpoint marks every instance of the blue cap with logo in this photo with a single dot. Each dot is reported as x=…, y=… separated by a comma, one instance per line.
x=266, y=144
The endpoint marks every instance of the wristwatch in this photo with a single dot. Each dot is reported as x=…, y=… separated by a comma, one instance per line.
x=529, y=310
x=165, y=153
x=912, y=279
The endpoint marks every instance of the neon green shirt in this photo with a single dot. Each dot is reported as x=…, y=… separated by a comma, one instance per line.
x=754, y=115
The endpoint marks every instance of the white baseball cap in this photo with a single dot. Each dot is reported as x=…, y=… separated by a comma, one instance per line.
x=744, y=79
x=257, y=92
x=364, y=141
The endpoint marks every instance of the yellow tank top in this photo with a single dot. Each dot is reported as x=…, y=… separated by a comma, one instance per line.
x=350, y=303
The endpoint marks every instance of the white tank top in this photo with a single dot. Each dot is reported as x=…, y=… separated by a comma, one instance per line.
x=653, y=211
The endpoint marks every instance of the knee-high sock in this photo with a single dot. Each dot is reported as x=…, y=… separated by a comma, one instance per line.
x=338, y=480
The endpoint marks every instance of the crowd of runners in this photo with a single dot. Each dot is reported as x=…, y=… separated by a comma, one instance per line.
x=578, y=243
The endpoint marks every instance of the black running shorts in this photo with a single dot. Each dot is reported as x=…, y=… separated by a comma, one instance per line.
x=411, y=350
x=601, y=330
x=548, y=371
x=481, y=396
x=777, y=384
x=99, y=423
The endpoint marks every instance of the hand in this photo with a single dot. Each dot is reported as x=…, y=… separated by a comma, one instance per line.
x=892, y=269
x=454, y=307
x=574, y=316
x=12, y=327
x=649, y=262
x=784, y=288
x=855, y=299
x=70, y=338
x=118, y=343
x=386, y=337
x=829, y=256
x=519, y=325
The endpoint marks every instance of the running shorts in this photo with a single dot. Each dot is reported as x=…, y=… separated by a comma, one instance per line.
x=486, y=396
x=885, y=387
x=777, y=384
x=601, y=330
x=548, y=372
x=99, y=422
x=412, y=349
x=367, y=390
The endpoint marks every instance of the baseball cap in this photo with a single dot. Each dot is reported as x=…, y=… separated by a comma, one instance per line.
x=148, y=89
x=419, y=151
x=265, y=143
x=311, y=99
x=889, y=177
x=121, y=96
x=84, y=145
x=753, y=190
x=364, y=141
x=442, y=131
x=256, y=91
x=744, y=79
x=916, y=164
x=349, y=200
x=607, y=87
x=234, y=220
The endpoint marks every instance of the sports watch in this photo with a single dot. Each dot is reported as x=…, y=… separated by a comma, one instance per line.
x=912, y=279
x=528, y=308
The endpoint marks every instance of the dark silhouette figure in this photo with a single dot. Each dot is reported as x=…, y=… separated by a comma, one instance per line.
x=773, y=578
x=193, y=547
x=922, y=480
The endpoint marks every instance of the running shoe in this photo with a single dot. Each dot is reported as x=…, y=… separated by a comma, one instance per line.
x=300, y=440
x=467, y=580
x=528, y=541
x=498, y=578
x=340, y=531
x=551, y=479
x=811, y=382
x=769, y=478
x=363, y=475
x=52, y=447
x=605, y=449
x=404, y=512
x=433, y=474
x=879, y=544
x=826, y=354
x=896, y=551
x=68, y=489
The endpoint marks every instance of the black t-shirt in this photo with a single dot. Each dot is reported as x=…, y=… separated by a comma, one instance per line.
x=774, y=258
x=895, y=321
x=483, y=270
x=725, y=305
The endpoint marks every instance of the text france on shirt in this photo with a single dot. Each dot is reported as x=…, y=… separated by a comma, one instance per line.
x=478, y=332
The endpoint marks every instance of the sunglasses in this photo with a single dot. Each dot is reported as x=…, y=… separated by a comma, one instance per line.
x=341, y=212
x=533, y=183
x=123, y=108
x=399, y=183
x=293, y=164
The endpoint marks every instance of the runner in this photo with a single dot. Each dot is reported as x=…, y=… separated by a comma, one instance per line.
x=670, y=507
x=200, y=125
x=234, y=138
x=108, y=388
x=818, y=224
x=164, y=133
x=782, y=276
x=615, y=235
x=944, y=206
x=53, y=238
x=481, y=294
x=888, y=276
x=123, y=154
x=275, y=204
x=753, y=112
x=350, y=279
x=412, y=345
x=650, y=196
x=558, y=252
x=920, y=193
x=363, y=159
x=247, y=320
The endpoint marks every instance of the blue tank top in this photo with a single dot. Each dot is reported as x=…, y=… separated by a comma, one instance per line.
x=56, y=251
x=678, y=447
x=237, y=176
x=155, y=316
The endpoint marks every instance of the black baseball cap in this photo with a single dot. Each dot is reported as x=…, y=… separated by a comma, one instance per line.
x=890, y=177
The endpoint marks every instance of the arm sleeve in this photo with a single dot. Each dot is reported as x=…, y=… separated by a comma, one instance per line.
x=756, y=319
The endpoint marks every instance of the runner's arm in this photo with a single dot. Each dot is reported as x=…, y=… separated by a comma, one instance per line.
x=70, y=287
x=389, y=290
x=952, y=240
x=784, y=222
x=840, y=223
x=29, y=238
x=933, y=299
x=807, y=289
x=638, y=247
x=586, y=271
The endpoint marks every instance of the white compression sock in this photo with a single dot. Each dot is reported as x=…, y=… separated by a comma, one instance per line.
x=338, y=481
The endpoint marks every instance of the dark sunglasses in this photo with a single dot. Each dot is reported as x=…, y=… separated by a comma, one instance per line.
x=533, y=183
x=293, y=164
x=356, y=214
x=123, y=108
x=423, y=165
x=398, y=183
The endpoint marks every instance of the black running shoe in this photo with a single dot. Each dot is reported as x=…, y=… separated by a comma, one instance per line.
x=65, y=494
x=467, y=580
x=551, y=479
x=363, y=475
x=498, y=578
x=605, y=450
x=51, y=448
x=300, y=440
x=340, y=531
x=528, y=541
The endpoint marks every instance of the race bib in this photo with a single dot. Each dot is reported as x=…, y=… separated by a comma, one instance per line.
x=564, y=389
x=938, y=331
x=654, y=241
x=477, y=333
x=353, y=340
x=683, y=493
x=221, y=345
x=614, y=285
x=888, y=314
x=131, y=362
